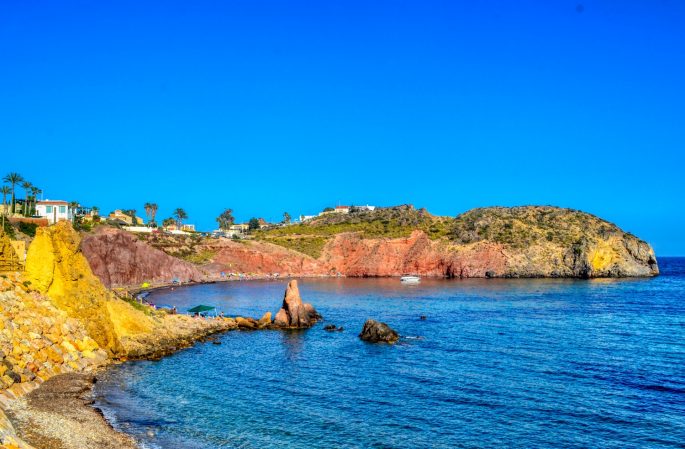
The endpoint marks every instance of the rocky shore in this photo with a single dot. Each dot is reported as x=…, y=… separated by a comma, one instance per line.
x=59, y=324
x=59, y=415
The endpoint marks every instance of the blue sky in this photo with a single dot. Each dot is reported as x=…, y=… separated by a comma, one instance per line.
x=266, y=107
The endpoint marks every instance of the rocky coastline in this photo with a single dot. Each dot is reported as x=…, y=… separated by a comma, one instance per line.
x=59, y=325
x=71, y=312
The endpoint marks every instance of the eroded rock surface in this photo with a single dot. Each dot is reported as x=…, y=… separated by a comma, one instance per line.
x=118, y=258
x=294, y=313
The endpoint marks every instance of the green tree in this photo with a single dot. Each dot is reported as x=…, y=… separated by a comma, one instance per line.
x=168, y=222
x=13, y=179
x=153, y=214
x=35, y=191
x=150, y=213
x=148, y=208
x=27, y=190
x=180, y=215
x=5, y=190
x=96, y=210
x=226, y=219
x=286, y=217
x=329, y=209
x=253, y=224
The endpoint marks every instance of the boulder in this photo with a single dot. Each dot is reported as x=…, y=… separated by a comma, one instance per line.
x=265, y=320
x=294, y=313
x=376, y=332
x=246, y=323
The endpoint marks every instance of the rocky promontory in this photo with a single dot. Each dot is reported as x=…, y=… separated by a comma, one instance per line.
x=528, y=241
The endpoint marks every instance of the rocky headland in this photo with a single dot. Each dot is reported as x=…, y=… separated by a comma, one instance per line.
x=494, y=242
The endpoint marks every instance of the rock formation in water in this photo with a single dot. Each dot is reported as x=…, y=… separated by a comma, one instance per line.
x=118, y=258
x=294, y=313
x=377, y=332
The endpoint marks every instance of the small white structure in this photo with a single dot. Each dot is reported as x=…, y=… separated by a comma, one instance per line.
x=367, y=207
x=54, y=211
x=139, y=229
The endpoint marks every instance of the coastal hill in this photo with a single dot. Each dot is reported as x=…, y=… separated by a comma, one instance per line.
x=527, y=241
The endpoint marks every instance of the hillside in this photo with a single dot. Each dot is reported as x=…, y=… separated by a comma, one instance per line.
x=527, y=241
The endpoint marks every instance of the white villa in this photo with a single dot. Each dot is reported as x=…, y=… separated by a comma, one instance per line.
x=54, y=211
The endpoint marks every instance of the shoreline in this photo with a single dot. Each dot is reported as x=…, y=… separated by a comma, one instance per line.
x=60, y=415
x=60, y=412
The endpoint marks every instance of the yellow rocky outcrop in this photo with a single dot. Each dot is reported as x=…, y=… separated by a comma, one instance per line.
x=56, y=267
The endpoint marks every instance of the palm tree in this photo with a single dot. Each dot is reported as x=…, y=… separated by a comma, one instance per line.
x=35, y=191
x=95, y=210
x=225, y=220
x=148, y=208
x=13, y=179
x=153, y=213
x=286, y=217
x=5, y=190
x=27, y=190
x=180, y=215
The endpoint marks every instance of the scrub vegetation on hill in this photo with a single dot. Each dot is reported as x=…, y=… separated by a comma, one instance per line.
x=521, y=227
x=392, y=222
x=516, y=227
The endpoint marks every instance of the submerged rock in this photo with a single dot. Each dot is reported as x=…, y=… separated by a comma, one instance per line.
x=377, y=332
x=333, y=328
x=294, y=313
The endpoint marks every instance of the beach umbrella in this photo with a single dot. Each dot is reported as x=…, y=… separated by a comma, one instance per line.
x=201, y=308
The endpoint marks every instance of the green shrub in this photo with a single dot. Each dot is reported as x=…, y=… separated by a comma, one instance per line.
x=28, y=228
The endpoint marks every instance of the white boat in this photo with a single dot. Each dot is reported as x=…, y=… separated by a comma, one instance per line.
x=410, y=279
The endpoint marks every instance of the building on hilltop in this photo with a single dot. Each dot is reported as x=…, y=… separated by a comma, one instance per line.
x=54, y=210
x=119, y=216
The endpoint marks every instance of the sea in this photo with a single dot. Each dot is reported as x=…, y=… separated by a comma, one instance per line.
x=515, y=363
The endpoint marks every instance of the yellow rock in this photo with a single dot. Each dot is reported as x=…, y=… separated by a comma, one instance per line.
x=56, y=267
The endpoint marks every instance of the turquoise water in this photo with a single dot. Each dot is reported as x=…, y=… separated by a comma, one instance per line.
x=497, y=363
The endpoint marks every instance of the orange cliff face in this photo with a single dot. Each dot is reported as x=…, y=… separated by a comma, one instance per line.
x=264, y=258
x=351, y=255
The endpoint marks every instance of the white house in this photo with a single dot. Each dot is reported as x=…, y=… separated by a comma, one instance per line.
x=54, y=211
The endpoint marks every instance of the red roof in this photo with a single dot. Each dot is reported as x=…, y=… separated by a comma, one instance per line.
x=342, y=207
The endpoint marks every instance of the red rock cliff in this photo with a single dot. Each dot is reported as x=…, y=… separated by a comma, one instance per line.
x=352, y=255
x=118, y=258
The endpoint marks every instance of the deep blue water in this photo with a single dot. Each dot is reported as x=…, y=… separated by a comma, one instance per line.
x=499, y=363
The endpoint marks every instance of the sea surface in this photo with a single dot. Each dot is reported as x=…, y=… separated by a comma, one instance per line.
x=497, y=363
